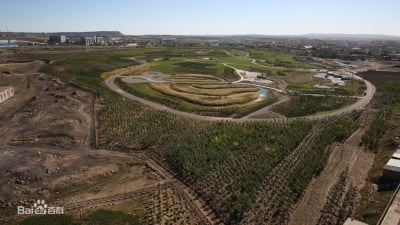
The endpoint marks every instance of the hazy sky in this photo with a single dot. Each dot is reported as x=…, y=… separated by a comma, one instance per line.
x=203, y=16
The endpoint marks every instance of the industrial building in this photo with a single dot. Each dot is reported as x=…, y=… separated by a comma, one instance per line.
x=92, y=40
x=57, y=39
x=391, y=170
x=8, y=43
x=6, y=92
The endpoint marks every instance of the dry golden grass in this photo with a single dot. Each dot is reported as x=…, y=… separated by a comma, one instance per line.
x=206, y=100
x=193, y=78
x=123, y=70
x=213, y=92
x=141, y=70
x=218, y=86
x=300, y=77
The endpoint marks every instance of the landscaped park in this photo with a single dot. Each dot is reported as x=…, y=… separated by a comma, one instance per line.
x=227, y=123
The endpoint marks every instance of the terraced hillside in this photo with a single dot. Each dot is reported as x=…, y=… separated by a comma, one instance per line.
x=202, y=94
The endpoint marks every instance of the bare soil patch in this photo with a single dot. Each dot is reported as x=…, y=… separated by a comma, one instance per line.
x=380, y=76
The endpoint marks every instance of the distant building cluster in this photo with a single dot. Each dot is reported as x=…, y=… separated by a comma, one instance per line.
x=305, y=48
x=57, y=39
x=95, y=40
x=6, y=92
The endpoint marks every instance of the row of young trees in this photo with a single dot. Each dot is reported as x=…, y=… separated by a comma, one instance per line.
x=226, y=162
x=387, y=97
x=340, y=203
x=284, y=186
x=307, y=105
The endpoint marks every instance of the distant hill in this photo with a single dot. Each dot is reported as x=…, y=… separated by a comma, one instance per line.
x=89, y=33
x=69, y=34
x=318, y=36
x=352, y=36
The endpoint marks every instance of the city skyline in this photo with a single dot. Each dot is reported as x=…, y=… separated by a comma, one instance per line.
x=194, y=17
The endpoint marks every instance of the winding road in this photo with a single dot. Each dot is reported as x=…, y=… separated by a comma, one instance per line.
x=360, y=104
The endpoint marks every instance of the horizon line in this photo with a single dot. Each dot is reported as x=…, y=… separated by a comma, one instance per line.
x=239, y=34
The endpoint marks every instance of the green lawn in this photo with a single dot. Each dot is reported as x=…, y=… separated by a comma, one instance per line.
x=271, y=58
x=396, y=108
x=168, y=60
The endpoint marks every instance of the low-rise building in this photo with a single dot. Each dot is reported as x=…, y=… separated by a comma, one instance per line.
x=6, y=92
x=92, y=40
x=8, y=43
x=391, y=171
x=351, y=221
x=57, y=39
x=87, y=40
x=98, y=40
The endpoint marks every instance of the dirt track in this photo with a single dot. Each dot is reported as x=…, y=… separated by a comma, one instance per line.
x=347, y=155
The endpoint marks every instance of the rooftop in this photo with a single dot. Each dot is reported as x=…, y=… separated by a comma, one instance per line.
x=3, y=88
x=393, y=164
x=396, y=155
x=351, y=221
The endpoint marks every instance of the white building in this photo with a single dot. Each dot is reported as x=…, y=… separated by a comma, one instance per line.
x=351, y=221
x=6, y=92
x=59, y=39
x=8, y=43
x=392, y=168
x=92, y=40
x=87, y=40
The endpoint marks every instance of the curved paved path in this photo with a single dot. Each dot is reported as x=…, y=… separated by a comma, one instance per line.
x=361, y=103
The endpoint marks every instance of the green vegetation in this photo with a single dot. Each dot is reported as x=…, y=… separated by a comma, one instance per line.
x=122, y=124
x=315, y=157
x=396, y=108
x=106, y=217
x=378, y=127
x=303, y=82
x=49, y=219
x=308, y=105
x=227, y=162
x=320, y=91
x=387, y=100
x=99, y=217
x=341, y=202
x=270, y=58
x=145, y=91
x=238, y=53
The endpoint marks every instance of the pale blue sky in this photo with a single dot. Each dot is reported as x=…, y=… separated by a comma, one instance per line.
x=203, y=16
